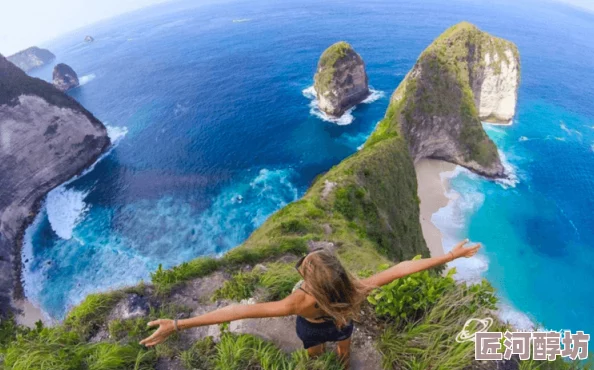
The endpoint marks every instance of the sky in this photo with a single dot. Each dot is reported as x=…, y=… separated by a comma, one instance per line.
x=25, y=23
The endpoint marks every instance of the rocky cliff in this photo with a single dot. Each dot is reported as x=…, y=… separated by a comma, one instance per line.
x=64, y=77
x=340, y=81
x=463, y=77
x=46, y=138
x=31, y=58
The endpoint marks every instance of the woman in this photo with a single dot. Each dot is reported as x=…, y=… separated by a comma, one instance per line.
x=326, y=301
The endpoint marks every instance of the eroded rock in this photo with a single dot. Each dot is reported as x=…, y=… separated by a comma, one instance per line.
x=64, y=77
x=340, y=81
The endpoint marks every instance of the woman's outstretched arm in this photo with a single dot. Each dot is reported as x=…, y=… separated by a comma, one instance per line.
x=283, y=307
x=409, y=267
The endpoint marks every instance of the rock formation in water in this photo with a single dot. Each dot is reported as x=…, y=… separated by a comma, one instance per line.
x=46, y=138
x=89, y=38
x=463, y=77
x=31, y=58
x=64, y=77
x=340, y=81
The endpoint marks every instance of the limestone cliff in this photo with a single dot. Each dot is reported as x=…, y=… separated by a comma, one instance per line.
x=46, y=138
x=340, y=81
x=464, y=76
x=31, y=58
x=64, y=77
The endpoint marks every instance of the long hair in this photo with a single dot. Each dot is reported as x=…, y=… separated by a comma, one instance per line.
x=337, y=292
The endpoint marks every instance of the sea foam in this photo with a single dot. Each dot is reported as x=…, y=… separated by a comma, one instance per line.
x=452, y=221
x=86, y=79
x=347, y=117
x=65, y=207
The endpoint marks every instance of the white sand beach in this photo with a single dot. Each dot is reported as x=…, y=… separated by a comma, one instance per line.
x=431, y=191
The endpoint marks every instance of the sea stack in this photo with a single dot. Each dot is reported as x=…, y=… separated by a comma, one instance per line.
x=340, y=81
x=31, y=58
x=463, y=77
x=89, y=38
x=46, y=138
x=64, y=77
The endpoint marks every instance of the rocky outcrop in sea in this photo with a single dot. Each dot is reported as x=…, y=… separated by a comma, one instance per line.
x=64, y=78
x=31, y=58
x=340, y=81
x=89, y=38
x=46, y=138
x=463, y=77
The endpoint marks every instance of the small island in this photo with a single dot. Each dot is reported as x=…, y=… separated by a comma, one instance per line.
x=64, y=78
x=31, y=58
x=340, y=81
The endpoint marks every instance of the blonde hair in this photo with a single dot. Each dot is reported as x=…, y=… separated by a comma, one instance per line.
x=337, y=292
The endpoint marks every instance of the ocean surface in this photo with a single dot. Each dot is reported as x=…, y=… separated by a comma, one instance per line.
x=214, y=128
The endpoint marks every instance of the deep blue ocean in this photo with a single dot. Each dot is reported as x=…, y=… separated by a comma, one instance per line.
x=214, y=130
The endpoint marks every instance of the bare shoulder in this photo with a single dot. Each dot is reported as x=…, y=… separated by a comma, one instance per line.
x=300, y=301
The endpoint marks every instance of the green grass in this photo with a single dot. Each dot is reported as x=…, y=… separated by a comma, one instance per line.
x=325, y=71
x=91, y=313
x=274, y=282
x=239, y=352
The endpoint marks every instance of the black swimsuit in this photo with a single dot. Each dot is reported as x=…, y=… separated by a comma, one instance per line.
x=313, y=334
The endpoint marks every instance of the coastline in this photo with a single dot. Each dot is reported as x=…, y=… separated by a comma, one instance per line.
x=432, y=195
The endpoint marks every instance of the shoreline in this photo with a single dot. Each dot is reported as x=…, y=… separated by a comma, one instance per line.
x=431, y=190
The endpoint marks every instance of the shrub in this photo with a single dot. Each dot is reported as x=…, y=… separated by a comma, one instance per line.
x=407, y=298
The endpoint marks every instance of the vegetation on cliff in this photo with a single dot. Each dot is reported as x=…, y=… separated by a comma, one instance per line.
x=436, y=102
x=366, y=208
x=327, y=62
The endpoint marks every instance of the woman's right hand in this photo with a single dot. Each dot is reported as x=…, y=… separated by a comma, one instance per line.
x=166, y=328
x=460, y=249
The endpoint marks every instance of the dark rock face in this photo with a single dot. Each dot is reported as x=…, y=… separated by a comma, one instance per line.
x=89, y=38
x=31, y=58
x=46, y=138
x=64, y=77
x=340, y=81
x=465, y=75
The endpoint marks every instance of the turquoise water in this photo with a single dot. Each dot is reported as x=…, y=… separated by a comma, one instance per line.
x=206, y=109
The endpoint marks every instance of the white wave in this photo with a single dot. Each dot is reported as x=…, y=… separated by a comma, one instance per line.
x=33, y=282
x=516, y=318
x=592, y=147
x=569, y=131
x=373, y=96
x=65, y=209
x=347, y=118
x=451, y=220
x=242, y=20
x=523, y=138
x=512, y=178
x=86, y=79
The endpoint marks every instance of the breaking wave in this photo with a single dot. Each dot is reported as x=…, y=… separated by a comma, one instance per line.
x=86, y=79
x=66, y=207
x=347, y=118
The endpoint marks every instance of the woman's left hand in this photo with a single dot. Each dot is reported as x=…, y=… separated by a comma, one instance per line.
x=460, y=250
x=166, y=328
